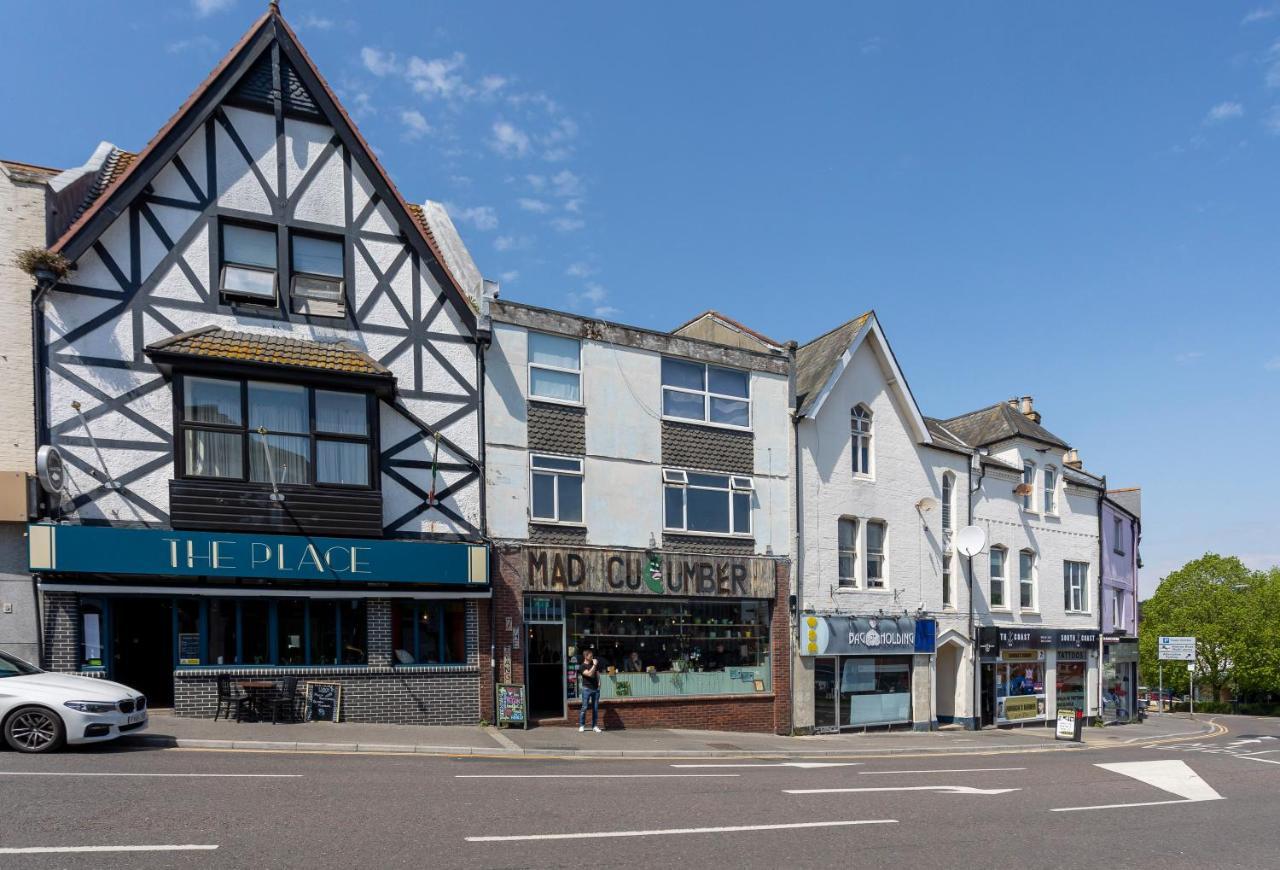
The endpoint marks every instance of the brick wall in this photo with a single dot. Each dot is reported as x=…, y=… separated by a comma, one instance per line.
x=61, y=632
x=402, y=695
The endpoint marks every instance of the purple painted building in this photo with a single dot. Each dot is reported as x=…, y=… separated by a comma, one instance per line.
x=1118, y=595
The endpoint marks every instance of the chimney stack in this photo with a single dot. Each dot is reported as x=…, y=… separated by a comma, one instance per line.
x=1027, y=407
x=1071, y=459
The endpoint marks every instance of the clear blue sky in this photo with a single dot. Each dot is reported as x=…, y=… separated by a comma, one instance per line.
x=1073, y=201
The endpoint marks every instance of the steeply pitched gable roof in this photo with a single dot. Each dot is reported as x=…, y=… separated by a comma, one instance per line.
x=817, y=360
x=999, y=423
x=225, y=78
x=729, y=323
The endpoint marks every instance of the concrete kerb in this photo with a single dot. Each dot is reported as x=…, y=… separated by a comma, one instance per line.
x=1043, y=745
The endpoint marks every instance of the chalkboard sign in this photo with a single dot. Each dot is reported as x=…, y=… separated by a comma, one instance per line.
x=511, y=706
x=324, y=701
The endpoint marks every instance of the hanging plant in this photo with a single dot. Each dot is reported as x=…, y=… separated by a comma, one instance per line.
x=42, y=264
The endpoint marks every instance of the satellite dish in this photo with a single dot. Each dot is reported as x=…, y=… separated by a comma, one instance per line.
x=1023, y=489
x=970, y=540
x=927, y=504
x=50, y=469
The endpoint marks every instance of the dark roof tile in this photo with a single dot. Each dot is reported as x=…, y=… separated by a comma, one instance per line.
x=816, y=360
x=998, y=423
x=212, y=342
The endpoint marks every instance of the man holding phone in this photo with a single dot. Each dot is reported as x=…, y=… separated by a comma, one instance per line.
x=590, y=686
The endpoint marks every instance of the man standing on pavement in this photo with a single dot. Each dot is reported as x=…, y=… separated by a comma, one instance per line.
x=590, y=684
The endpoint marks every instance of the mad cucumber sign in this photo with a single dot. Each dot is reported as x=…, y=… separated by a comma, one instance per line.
x=105, y=550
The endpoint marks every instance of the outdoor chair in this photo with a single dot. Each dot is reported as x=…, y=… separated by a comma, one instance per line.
x=284, y=703
x=232, y=700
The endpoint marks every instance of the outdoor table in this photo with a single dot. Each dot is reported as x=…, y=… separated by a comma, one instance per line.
x=255, y=690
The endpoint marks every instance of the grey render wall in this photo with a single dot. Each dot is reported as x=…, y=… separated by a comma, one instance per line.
x=22, y=225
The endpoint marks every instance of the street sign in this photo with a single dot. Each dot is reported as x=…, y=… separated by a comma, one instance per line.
x=1191, y=667
x=1181, y=649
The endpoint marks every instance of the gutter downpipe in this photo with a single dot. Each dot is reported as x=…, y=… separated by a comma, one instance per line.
x=973, y=640
x=484, y=340
x=1102, y=555
x=793, y=620
x=37, y=397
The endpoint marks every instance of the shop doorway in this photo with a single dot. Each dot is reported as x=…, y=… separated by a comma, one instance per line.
x=950, y=660
x=988, y=695
x=546, y=670
x=142, y=647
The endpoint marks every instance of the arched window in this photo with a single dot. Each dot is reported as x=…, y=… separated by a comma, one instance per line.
x=861, y=430
x=948, y=498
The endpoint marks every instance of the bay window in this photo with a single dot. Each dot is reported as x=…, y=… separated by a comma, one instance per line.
x=283, y=433
x=717, y=504
x=706, y=393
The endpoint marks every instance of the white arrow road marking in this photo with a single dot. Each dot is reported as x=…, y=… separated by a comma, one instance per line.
x=42, y=850
x=948, y=789
x=177, y=775
x=949, y=770
x=586, y=775
x=595, y=835
x=806, y=765
x=1171, y=776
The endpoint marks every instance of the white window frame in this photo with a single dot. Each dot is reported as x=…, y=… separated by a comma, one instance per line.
x=531, y=365
x=882, y=554
x=948, y=593
x=556, y=474
x=948, y=504
x=1050, y=480
x=1075, y=594
x=1029, y=477
x=1029, y=580
x=1117, y=534
x=851, y=552
x=857, y=437
x=707, y=395
x=737, y=483
x=1002, y=578
x=1117, y=609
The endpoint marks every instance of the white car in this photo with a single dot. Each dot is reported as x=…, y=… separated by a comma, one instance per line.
x=39, y=710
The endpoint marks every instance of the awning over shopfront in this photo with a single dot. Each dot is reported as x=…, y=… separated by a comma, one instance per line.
x=73, y=549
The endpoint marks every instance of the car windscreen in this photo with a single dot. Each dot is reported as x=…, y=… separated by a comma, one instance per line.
x=12, y=666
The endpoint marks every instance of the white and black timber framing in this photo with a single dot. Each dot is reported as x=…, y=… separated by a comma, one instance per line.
x=263, y=140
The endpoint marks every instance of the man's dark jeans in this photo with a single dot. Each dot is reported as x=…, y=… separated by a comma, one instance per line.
x=592, y=697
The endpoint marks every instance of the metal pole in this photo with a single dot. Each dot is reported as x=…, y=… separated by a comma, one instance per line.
x=271, y=470
x=1160, y=697
x=1192, y=672
x=111, y=481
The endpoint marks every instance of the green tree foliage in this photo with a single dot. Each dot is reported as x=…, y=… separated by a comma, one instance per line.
x=1233, y=613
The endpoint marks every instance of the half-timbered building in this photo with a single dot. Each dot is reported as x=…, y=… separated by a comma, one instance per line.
x=263, y=380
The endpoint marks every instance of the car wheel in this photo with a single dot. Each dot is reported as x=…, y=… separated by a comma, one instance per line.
x=34, y=729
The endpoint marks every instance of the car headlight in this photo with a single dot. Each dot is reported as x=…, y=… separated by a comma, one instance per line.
x=91, y=706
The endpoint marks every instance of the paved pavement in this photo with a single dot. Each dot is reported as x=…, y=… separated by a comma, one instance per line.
x=1117, y=804
x=167, y=730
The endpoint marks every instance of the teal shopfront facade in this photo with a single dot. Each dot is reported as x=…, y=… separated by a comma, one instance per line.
x=395, y=623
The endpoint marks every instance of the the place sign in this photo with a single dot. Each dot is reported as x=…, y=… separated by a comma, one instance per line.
x=639, y=572
x=213, y=555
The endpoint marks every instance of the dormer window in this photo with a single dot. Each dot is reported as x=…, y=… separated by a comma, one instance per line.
x=317, y=286
x=249, y=264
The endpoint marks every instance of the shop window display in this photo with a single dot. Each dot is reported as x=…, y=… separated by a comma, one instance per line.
x=1020, y=692
x=666, y=648
x=1071, y=684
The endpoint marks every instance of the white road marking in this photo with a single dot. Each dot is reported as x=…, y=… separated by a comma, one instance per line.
x=595, y=835
x=1171, y=776
x=588, y=775
x=804, y=765
x=949, y=770
x=1255, y=758
x=947, y=789
x=177, y=775
x=45, y=850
